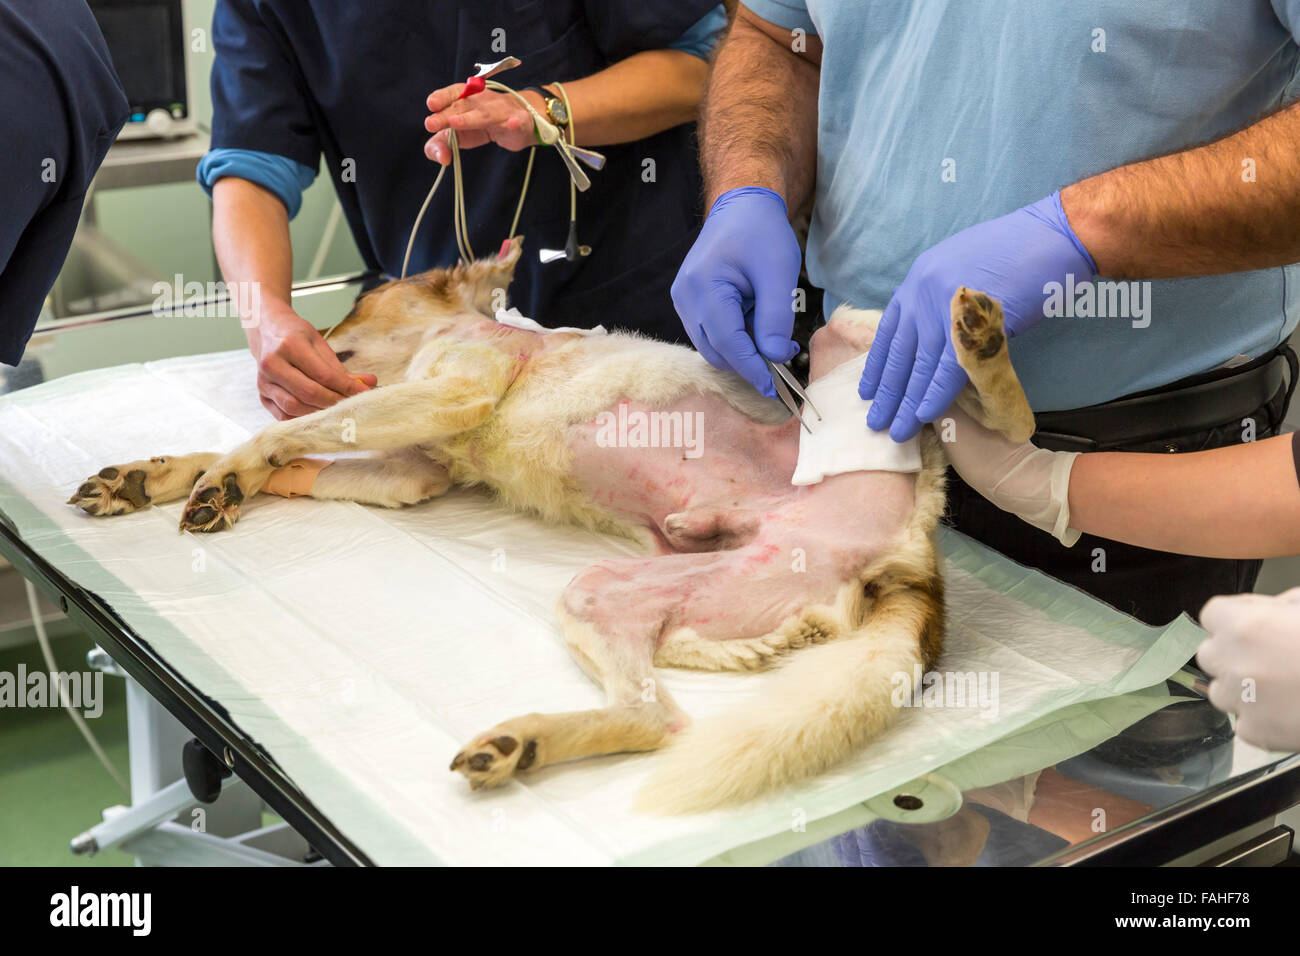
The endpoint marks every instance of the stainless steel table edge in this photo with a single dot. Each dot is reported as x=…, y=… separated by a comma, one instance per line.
x=1193, y=822
x=182, y=700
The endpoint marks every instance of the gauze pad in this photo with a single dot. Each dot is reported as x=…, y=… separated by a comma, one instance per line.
x=517, y=320
x=841, y=442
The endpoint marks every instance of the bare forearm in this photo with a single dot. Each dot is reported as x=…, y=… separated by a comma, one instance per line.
x=1237, y=502
x=1228, y=206
x=645, y=94
x=759, y=125
x=250, y=230
x=297, y=371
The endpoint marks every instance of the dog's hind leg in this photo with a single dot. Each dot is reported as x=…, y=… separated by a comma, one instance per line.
x=828, y=702
x=995, y=397
x=640, y=714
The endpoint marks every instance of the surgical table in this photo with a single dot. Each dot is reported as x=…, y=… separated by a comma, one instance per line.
x=1113, y=765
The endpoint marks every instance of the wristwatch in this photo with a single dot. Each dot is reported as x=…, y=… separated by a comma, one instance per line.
x=556, y=111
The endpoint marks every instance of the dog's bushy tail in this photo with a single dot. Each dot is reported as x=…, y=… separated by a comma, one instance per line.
x=820, y=708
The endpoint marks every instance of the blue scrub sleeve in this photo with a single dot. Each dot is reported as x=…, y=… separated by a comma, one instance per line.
x=258, y=102
x=701, y=38
x=1288, y=13
x=621, y=28
x=279, y=174
x=791, y=14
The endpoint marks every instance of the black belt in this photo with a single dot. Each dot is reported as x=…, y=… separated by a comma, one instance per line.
x=1191, y=405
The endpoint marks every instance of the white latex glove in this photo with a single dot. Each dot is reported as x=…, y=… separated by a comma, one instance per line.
x=1031, y=483
x=1253, y=654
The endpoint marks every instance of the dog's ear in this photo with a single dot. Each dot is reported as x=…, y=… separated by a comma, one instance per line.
x=501, y=267
x=509, y=255
x=489, y=279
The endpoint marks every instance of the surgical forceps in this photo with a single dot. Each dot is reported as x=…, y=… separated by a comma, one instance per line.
x=786, y=384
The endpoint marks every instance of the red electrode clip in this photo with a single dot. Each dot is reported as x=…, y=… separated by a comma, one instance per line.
x=475, y=84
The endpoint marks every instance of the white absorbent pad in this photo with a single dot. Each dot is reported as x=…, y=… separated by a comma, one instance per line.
x=840, y=440
x=517, y=320
x=362, y=647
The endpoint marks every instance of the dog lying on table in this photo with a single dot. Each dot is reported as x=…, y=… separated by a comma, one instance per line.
x=470, y=401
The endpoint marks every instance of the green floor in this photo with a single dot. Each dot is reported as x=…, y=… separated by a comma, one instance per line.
x=51, y=785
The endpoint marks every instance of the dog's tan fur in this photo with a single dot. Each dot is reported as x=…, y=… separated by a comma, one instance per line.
x=458, y=407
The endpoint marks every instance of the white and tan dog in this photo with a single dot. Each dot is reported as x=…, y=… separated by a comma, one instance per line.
x=466, y=400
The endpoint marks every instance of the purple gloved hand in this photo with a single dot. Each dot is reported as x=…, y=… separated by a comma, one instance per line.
x=734, y=292
x=912, y=374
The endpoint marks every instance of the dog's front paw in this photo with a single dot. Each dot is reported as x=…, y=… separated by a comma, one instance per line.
x=214, y=503
x=114, y=491
x=490, y=759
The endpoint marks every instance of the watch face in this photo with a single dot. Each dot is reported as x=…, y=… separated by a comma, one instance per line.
x=557, y=110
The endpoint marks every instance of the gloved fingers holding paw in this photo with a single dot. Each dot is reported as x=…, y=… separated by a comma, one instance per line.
x=912, y=375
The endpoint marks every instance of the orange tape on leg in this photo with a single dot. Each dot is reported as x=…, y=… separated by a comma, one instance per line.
x=296, y=479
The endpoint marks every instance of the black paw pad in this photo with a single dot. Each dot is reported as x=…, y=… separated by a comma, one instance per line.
x=132, y=489
x=528, y=757
x=230, y=486
x=992, y=345
x=202, y=516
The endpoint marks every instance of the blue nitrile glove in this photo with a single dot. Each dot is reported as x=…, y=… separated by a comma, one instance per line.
x=744, y=266
x=912, y=373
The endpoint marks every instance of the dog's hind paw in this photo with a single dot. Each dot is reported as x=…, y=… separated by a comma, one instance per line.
x=491, y=759
x=976, y=325
x=114, y=491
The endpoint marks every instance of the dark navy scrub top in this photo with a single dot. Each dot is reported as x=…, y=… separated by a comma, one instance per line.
x=301, y=78
x=61, y=107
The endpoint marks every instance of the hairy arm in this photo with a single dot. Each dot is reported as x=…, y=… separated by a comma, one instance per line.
x=759, y=124
x=1227, y=206
x=1236, y=502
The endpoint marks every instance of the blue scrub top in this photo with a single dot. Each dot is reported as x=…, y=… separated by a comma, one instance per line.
x=61, y=107
x=935, y=115
x=306, y=78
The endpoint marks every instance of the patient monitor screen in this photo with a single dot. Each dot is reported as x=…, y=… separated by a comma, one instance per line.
x=141, y=41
